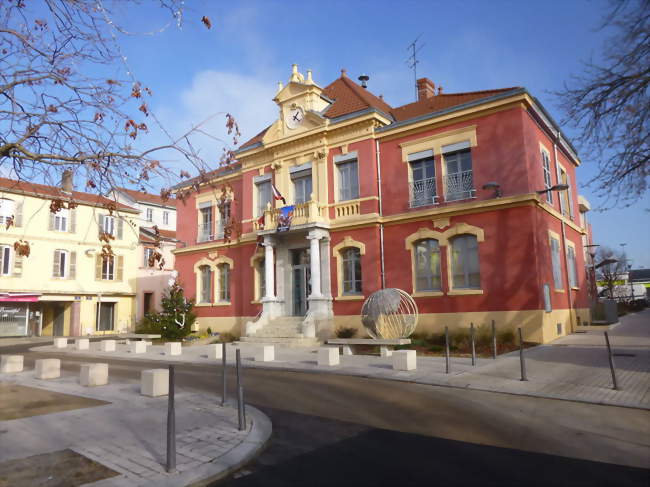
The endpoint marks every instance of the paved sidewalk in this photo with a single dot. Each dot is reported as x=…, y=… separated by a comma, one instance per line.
x=574, y=368
x=128, y=435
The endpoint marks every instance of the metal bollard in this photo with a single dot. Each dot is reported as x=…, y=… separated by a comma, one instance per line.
x=494, y=340
x=171, y=425
x=240, y=393
x=521, y=357
x=471, y=332
x=447, y=364
x=611, y=363
x=223, y=373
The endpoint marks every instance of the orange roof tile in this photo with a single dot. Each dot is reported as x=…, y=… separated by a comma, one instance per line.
x=142, y=197
x=441, y=102
x=349, y=97
x=22, y=187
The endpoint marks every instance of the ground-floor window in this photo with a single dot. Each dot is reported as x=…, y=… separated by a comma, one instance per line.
x=13, y=319
x=465, y=266
x=224, y=282
x=105, y=316
x=351, y=270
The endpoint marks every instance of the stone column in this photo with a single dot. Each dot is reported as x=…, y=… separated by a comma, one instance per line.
x=269, y=268
x=75, y=319
x=314, y=264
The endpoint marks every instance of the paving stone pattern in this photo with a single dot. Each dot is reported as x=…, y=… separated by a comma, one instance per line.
x=128, y=435
x=574, y=367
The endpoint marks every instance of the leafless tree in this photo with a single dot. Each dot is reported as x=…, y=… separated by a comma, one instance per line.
x=69, y=100
x=609, y=105
x=610, y=274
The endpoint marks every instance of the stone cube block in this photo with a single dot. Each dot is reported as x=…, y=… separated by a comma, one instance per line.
x=93, y=375
x=82, y=343
x=127, y=342
x=48, y=368
x=107, y=345
x=138, y=347
x=404, y=360
x=346, y=350
x=10, y=364
x=60, y=342
x=173, y=348
x=328, y=356
x=385, y=351
x=148, y=344
x=215, y=351
x=154, y=382
x=264, y=353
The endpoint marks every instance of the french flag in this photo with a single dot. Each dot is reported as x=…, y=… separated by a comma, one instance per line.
x=277, y=195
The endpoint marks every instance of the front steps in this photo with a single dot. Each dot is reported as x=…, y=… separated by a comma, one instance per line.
x=285, y=330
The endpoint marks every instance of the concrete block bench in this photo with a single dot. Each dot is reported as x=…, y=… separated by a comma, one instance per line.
x=11, y=364
x=154, y=382
x=385, y=344
x=328, y=356
x=137, y=347
x=93, y=375
x=404, y=360
x=173, y=348
x=107, y=345
x=215, y=351
x=264, y=353
x=82, y=344
x=60, y=342
x=47, y=368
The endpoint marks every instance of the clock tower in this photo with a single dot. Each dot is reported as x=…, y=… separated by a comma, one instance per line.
x=300, y=104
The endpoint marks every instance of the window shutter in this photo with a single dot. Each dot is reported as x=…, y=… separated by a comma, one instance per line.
x=120, y=227
x=569, y=196
x=101, y=224
x=73, y=266
x=52, y=216
x=72, y=224
x=18, y=217
x=56, y=270
x=18, y=265
x=98, y=267
x=120, y=268
x=2, y=256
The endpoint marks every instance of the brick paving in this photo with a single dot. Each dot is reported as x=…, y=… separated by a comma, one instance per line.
x=129, y=434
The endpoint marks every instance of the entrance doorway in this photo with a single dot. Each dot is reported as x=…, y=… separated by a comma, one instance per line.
x=59, y=320
x=148, y=303
x=301, y=281
x=105, y=315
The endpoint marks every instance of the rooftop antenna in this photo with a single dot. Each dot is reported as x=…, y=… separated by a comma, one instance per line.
x=412, y=61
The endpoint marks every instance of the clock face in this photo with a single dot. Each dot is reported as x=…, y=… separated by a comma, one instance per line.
x=294, y=117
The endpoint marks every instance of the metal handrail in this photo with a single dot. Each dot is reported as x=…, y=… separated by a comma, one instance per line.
x=459, y=186
x=423, y=192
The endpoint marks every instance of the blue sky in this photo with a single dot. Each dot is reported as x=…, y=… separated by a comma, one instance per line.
x=469, y=45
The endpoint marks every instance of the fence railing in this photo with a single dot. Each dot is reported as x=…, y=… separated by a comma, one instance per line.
x=423, y=193
x=459, y=186
x=205, y=232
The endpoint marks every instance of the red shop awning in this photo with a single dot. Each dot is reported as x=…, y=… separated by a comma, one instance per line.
x=18, y=297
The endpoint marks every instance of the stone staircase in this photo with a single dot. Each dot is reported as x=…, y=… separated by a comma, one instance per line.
x=285, y=331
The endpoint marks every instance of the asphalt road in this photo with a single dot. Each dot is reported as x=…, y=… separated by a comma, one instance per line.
x=338, y=430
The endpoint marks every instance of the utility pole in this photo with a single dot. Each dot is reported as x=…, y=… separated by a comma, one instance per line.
x=412, y=61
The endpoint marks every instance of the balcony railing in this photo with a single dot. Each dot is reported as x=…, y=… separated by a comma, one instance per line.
x=205, y=232
x=303, y=213
x=459, y=186
x=423, y=193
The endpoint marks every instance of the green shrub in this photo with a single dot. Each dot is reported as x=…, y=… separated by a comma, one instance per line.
x=209, y=331
x=227, y=337
x=506, y=337
x=345, y=332
x=436, y=348
x=176, y=309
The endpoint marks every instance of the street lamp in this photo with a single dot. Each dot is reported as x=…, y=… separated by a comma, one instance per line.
x=495, y=186
x=557, y=187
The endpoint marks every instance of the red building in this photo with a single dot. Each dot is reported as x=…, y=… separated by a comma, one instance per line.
x=444, y=198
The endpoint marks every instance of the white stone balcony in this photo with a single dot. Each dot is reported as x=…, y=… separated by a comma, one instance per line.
x=303, y=214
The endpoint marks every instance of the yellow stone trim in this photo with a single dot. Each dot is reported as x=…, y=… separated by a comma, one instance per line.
x=350, y=297
x=441, y=223
x=435, y=142
x=222, y=259
x=465, y=229
x=427, y=294
x=257, y=256
x=336, y=251
x=202, y=305
x=221, y=303
x=464, y=292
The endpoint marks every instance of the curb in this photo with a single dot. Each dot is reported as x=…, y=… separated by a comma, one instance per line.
x=256, y=440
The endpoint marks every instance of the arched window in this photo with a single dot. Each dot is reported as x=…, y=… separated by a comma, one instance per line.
x=465, y=269
x=351, y=270
x=427, y=265
x=205, y=295
x=224, y=282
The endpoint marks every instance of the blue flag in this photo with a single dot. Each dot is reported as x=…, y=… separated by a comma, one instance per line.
x=284, y=218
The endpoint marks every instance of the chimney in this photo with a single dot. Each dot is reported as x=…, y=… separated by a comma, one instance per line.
x=66, y=181
x=426, y=89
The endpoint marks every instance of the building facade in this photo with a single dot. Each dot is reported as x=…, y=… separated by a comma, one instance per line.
x=64, y=286
x=467, y=201
x=152, y=274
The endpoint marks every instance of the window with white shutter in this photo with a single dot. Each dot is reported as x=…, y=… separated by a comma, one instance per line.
x=5, y=260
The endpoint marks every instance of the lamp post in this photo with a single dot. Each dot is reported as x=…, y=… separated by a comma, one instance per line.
x=557, y=187
x=593, y=270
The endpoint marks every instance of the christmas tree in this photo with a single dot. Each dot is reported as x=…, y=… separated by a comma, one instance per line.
x=175, y=320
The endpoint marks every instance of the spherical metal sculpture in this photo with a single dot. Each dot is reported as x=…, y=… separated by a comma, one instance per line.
x=389, y=313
